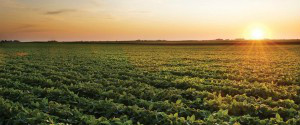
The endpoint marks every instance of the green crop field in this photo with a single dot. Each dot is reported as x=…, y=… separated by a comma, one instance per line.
x=77, y=83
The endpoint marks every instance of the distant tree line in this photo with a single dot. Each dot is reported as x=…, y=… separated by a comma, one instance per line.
x=10, y=41
x=52, y=41
x=150, y=40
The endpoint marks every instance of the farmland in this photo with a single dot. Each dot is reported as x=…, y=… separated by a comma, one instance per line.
x=76, y=83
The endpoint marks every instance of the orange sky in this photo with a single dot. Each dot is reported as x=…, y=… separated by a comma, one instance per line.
x=70, y=20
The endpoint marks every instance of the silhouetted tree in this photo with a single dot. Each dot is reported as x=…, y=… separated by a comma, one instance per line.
x=10, y=41
x=52, y=41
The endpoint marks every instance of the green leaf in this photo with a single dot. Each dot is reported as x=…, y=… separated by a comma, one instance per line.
x=178, y=101
x=278, y=117
x=176, y=115
x=192, y=118
x=150, y=107
x=236, y=123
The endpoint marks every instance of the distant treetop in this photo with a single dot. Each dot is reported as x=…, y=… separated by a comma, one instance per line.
x=52, y=41
x=10, y=41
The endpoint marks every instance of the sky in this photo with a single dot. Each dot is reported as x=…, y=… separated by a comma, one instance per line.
x=90, y=20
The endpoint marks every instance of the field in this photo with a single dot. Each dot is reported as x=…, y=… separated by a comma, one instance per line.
x=77, y=83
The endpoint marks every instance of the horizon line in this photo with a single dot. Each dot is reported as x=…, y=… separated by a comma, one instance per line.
x=145, y=40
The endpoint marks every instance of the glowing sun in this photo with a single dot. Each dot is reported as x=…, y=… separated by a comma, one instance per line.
x=257, y=34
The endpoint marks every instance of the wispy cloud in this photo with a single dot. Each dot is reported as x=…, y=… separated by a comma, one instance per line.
x=25, y=26
x=17, y=5
x=56, y=12
x=32, y=30
x=11, y=4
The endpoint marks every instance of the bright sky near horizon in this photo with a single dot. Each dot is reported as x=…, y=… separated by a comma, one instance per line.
x=70, y=20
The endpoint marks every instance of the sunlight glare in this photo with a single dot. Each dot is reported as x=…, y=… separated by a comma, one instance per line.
x=257, y=34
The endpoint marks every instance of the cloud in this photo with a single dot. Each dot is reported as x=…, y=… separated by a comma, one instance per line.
x=10, y=4
x=25, y=26
x=31, y=30
x=17, y=5
x=56, y=12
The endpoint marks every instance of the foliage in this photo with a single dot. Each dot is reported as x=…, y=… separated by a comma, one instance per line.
x=71, y=83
